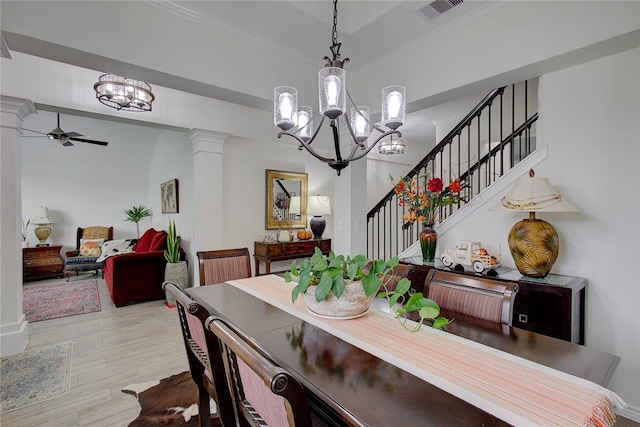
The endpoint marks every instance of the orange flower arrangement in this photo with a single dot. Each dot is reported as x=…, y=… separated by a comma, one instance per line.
x=422, y=205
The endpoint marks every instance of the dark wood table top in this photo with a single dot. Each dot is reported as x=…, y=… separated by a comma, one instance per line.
x=357, y=388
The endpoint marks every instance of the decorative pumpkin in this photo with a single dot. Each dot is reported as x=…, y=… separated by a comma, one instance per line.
x=304, y=235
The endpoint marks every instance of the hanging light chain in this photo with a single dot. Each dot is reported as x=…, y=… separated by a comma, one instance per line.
x=334, y=34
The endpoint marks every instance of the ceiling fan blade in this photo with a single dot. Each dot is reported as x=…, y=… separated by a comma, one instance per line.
x=72, y=134
x=90, y=141
x=67, y=144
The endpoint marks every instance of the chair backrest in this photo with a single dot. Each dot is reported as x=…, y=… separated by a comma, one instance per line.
x=263, y=393
x=472, y=295
x=93, y=232
x=204, y=355
x=225, y=264
x=399, y=272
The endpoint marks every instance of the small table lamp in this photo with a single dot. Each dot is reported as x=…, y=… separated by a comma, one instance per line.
x=533, y=242
x=42, y=219
x=294, y=206
x=318, y=206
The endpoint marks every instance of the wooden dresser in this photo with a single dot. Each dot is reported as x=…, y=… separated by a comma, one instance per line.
x=42, y=262
x=552, y=306
x=279, y=251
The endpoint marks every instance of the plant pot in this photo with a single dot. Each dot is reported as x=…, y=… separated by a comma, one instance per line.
x=178, y=274
x=352, y=303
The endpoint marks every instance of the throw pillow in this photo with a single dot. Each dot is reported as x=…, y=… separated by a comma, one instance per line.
x=158, y=242
x=145, y=241
x=90, y=247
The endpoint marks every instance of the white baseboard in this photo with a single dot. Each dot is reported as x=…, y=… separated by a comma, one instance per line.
x=630, y=412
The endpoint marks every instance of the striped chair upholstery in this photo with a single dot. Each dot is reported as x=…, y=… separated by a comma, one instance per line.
x=222, y=265
x=264, y=394
x=472, y=295
x=203, y=354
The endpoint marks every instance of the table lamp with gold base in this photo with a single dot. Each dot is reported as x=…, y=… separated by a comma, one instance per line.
x=42, y=219
x=533, y=242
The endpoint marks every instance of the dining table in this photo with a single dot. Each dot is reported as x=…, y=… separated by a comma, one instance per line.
x=352, y=382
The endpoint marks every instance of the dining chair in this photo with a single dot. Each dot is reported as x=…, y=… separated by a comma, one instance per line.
x=89, y=241
x=472, y=295
x=264, y=394
x=203, y=354
x=218, y=266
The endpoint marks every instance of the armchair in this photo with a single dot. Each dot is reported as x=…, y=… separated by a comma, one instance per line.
x=89, y=242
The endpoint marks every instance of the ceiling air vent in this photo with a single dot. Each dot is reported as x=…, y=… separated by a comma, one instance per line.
x=437, y=8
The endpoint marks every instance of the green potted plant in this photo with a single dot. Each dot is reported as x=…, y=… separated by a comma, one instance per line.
x=343, y=287
x=25, y=227
x=176, y=269
x=136, y=214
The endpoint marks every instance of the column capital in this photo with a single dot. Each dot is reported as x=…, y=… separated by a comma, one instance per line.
x=207, y=141
x=14, y=111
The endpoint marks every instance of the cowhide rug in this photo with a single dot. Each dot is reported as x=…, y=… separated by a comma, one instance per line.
x=172, y=401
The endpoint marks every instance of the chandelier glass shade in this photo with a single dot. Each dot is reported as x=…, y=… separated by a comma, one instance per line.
x=122, y=93
x=297, y=121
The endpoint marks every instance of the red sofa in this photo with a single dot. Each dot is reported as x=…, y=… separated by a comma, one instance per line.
x=138, y=276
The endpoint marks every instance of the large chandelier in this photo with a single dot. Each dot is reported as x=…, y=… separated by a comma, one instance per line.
x=297, y=122
x=122, y=93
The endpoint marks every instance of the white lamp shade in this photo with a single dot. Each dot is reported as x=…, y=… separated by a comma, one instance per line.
x=41, y=216
x=532, y=194
x=294, y=206
x=318, y=205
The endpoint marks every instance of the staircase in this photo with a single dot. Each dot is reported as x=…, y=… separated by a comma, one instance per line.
x=493, y=138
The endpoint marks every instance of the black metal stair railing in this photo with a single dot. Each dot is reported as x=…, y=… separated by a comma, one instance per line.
x=483, y=146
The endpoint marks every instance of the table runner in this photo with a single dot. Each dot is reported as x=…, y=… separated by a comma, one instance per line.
x=514, y=389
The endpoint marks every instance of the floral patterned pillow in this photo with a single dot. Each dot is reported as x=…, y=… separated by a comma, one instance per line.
x=91, y=247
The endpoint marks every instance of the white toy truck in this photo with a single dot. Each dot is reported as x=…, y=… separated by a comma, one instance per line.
x=472, y=254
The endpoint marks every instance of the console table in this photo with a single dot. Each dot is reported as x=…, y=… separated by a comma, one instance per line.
x=279, y=251
x=41, y=262
x=552, y=306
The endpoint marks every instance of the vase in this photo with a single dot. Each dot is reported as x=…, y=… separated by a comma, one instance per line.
x=178, y=274
x=428, y=242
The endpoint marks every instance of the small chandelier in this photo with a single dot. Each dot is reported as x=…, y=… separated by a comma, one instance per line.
x=391, y=146
x=297, y=122
x=122, y=93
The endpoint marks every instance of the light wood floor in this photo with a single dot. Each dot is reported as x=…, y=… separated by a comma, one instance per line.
x=111, y=349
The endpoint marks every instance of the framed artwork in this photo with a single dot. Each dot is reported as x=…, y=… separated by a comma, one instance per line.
x=169, y=196
x=286, y=197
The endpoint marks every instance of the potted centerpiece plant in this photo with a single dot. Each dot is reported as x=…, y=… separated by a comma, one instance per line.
x=176, y=269
x=136, y=214
x=341, y=286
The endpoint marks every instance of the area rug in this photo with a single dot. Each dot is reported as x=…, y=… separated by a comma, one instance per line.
x=172, y=401
x=52, y=301
x=35, y=376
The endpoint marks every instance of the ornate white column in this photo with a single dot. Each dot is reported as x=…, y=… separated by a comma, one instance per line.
x=208, y=179
x=14, y=332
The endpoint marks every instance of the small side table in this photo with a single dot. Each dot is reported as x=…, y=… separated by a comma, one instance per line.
x=42, y=262
x=280, y=251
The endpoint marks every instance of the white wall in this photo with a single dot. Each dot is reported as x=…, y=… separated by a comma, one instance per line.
x=85, y=184
x=589, y=119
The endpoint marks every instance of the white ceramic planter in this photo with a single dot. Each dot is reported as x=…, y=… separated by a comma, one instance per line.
x=352, y=303
x=178, y=274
